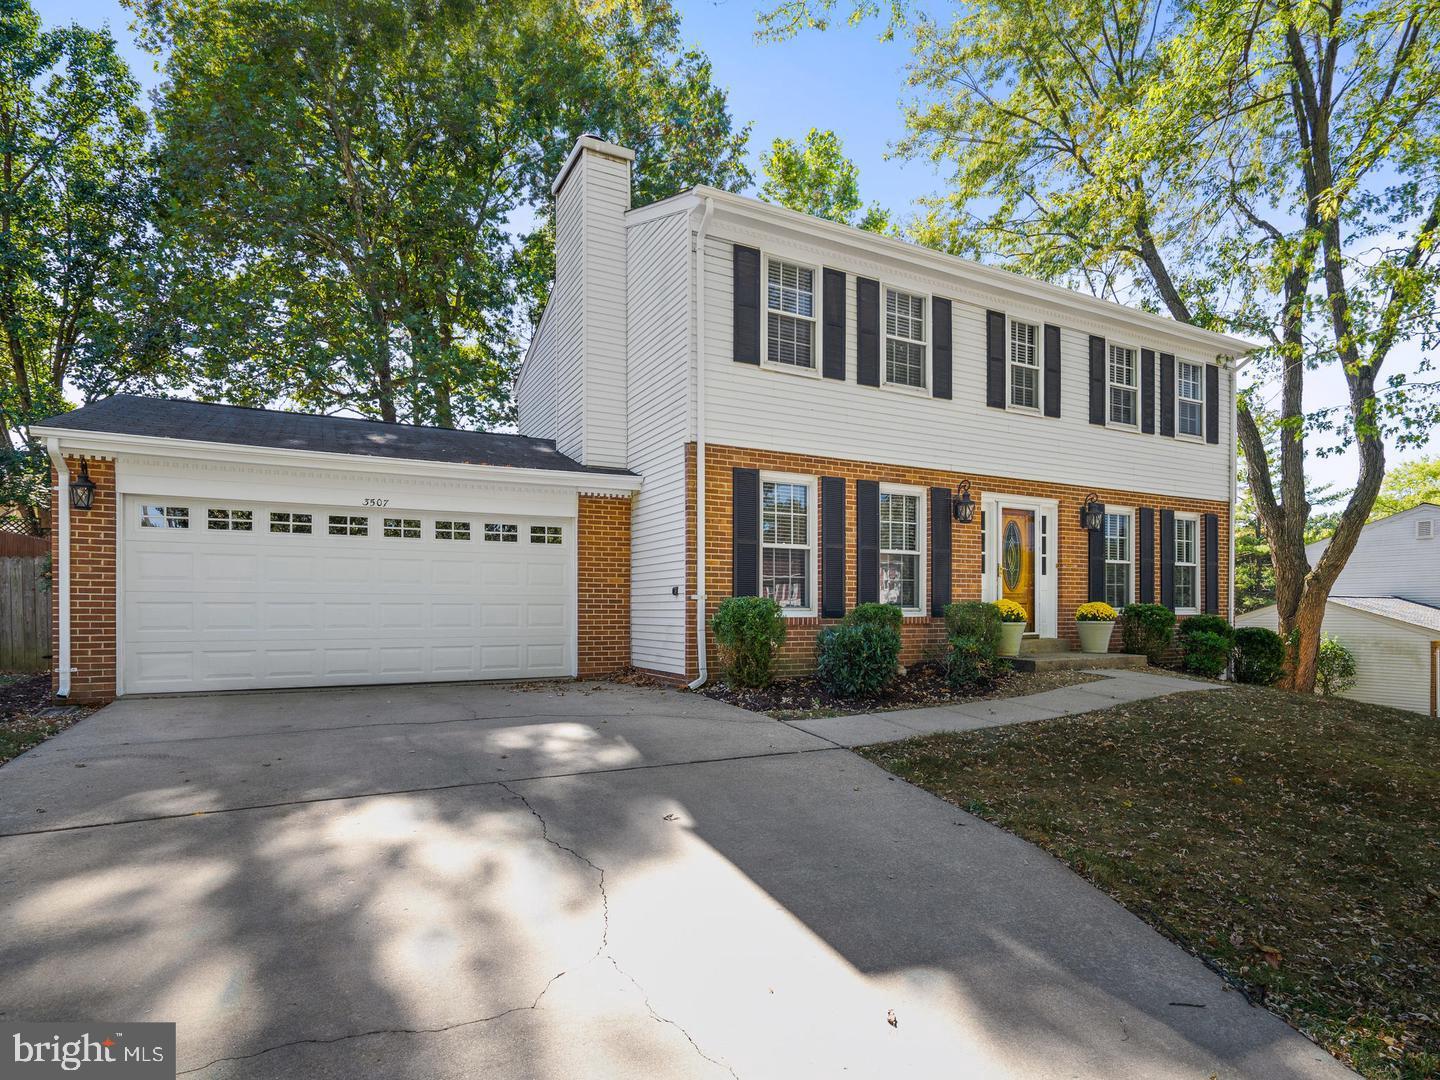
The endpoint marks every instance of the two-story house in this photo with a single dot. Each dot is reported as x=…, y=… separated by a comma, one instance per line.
x=722, y=398
x=834, y=397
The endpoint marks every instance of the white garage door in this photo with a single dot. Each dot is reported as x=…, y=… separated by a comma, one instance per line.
x=222, y=596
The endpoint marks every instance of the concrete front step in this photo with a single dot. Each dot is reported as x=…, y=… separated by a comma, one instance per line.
x=1032, y=646
x=1076, y=661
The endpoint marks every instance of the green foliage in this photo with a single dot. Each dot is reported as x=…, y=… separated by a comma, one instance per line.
x=749, y=629
x=875, y=615
x=1148, y=629
x=974, y=630
x=1259, y=656
x=343, y=178
x=818, y=179
x=857, y=659
x=1336, y=668
x=1206, y=642
x=1406, y=485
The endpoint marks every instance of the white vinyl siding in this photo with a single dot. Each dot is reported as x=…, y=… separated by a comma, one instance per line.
x=1123, y=401
x=1024, y=366
x=1190, y=399
x=535, y=391
x=1119, y=557
x=1391, y=559
x=790, y=323
x=902, y=529
x=905, y=354
x=1186, y=568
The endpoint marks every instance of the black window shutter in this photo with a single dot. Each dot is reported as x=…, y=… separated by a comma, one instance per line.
x=833, y=331
x=1210, y=524
x=832, y=547
x=1167, y=558
x=1147, y=555
x=867, y=332
x=1097, y=379
x=995, y=359
x=745, y=524
x=939, y=550
x=1147, y=392
x=1212, y=403
x=867, y=541
x=1167, y=395
x=941, y=362
x=1097, y=563
x=1052, y=370
x=747, y=305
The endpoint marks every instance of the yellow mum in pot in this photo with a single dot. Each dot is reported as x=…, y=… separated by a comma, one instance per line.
x=1010, y=611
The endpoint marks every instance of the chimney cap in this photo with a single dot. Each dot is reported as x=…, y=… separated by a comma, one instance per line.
x=596, y=145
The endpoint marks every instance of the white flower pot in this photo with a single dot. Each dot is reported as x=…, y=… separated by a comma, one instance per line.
x=1095, y=636
x=1010, y=635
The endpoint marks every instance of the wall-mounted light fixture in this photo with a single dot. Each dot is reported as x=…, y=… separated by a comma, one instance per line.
x=1092, y=514
x=964, y=506
x=82, y=490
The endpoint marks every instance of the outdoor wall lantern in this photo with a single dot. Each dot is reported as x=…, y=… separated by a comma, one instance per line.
x=82, y=491
x=1092, y=514
x=964, y=506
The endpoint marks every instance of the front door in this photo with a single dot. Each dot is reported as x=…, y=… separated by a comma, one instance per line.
x=1016, y=564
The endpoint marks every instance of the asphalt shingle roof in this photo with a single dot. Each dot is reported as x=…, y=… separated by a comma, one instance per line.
x=1394, y=607
x=130, y=414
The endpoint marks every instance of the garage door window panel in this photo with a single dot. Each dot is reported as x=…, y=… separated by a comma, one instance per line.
x=285, y=522
x=164, y=517
x=452, y=530
x=219, y=520
x=349, y=525
x=545, y=534
x=402, y=528
x=501, y=533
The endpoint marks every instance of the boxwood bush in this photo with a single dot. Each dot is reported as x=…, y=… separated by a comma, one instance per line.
x=749, y=630
x=857, y=659
x=875, y=615
x=1259, y=656
x=1148, y=629
x=974, y=631
x=1206, y=642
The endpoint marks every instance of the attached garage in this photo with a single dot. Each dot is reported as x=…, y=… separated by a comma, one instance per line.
x=386, y=554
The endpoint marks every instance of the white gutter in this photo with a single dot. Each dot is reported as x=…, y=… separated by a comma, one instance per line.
x=61, y=575
x=699, y=597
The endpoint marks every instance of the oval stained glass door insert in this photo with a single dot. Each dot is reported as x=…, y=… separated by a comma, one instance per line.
x=1012, y=555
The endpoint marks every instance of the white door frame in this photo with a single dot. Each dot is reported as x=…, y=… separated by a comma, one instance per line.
x=1047, y=576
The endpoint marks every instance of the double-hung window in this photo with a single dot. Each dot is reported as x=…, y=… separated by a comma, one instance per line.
x=1124, y=385
x=1186, y=576
x=1024, y=366
x=904, y=339
x=785, y=542
x=900, y=531
x=1190, y=398
x=790, y=315
x=1119, y=558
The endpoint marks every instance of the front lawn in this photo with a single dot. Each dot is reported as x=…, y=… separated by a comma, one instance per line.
x=1292, y=843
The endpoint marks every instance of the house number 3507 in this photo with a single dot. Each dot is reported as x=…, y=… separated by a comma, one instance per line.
x=376, y=502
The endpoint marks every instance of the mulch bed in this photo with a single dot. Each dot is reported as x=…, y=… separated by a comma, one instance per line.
x=1288, y=841
x=29, y=714
x=922, y=685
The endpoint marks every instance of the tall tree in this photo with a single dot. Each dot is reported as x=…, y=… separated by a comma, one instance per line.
x=1408, y=485
x=817, y=178
x=341, y=178
x=77, y=275
x=1266, y=167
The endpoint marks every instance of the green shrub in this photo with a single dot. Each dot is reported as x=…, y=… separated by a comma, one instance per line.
x=1205, y=624
x=1335, y=669
x=749, y=630
x=974, y=631
x=1148, y=629
x=857, y=660
x=1259, y=656
x=875, y=615
x=1207, y=654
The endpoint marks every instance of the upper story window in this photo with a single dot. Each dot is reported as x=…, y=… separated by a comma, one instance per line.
x=1190, y=398
x=1119, y=557
x=1024, y=366
x=785, y=542
x=904, y=338
x=1124, y=385
x=790, y=315
x=1186, y=576
x=900, y=549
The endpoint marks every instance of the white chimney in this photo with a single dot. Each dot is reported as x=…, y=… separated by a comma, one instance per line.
x=592, y=194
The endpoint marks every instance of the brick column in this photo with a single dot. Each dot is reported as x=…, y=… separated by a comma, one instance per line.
x=92, y=587
x=603, y=526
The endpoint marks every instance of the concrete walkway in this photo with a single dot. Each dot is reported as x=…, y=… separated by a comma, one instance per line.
x=1118, y=686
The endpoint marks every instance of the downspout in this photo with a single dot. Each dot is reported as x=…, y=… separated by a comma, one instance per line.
x=699, y=596
x=62, y=573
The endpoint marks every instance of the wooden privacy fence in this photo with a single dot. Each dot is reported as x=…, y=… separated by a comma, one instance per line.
x=24, y=603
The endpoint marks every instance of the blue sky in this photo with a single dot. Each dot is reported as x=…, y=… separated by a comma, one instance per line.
x=844, y=79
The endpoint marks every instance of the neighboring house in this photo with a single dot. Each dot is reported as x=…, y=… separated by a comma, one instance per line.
x=831, y=394
x=1385, y=608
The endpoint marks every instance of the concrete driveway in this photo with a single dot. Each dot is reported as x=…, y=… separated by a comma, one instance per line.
x=561, y=882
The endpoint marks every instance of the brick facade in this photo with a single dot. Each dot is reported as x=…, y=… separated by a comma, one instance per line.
x=922, y=636
x=92, y=588
x=604, y=582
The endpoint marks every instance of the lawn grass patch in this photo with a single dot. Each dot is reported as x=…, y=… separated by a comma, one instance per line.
x=1289, y=841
